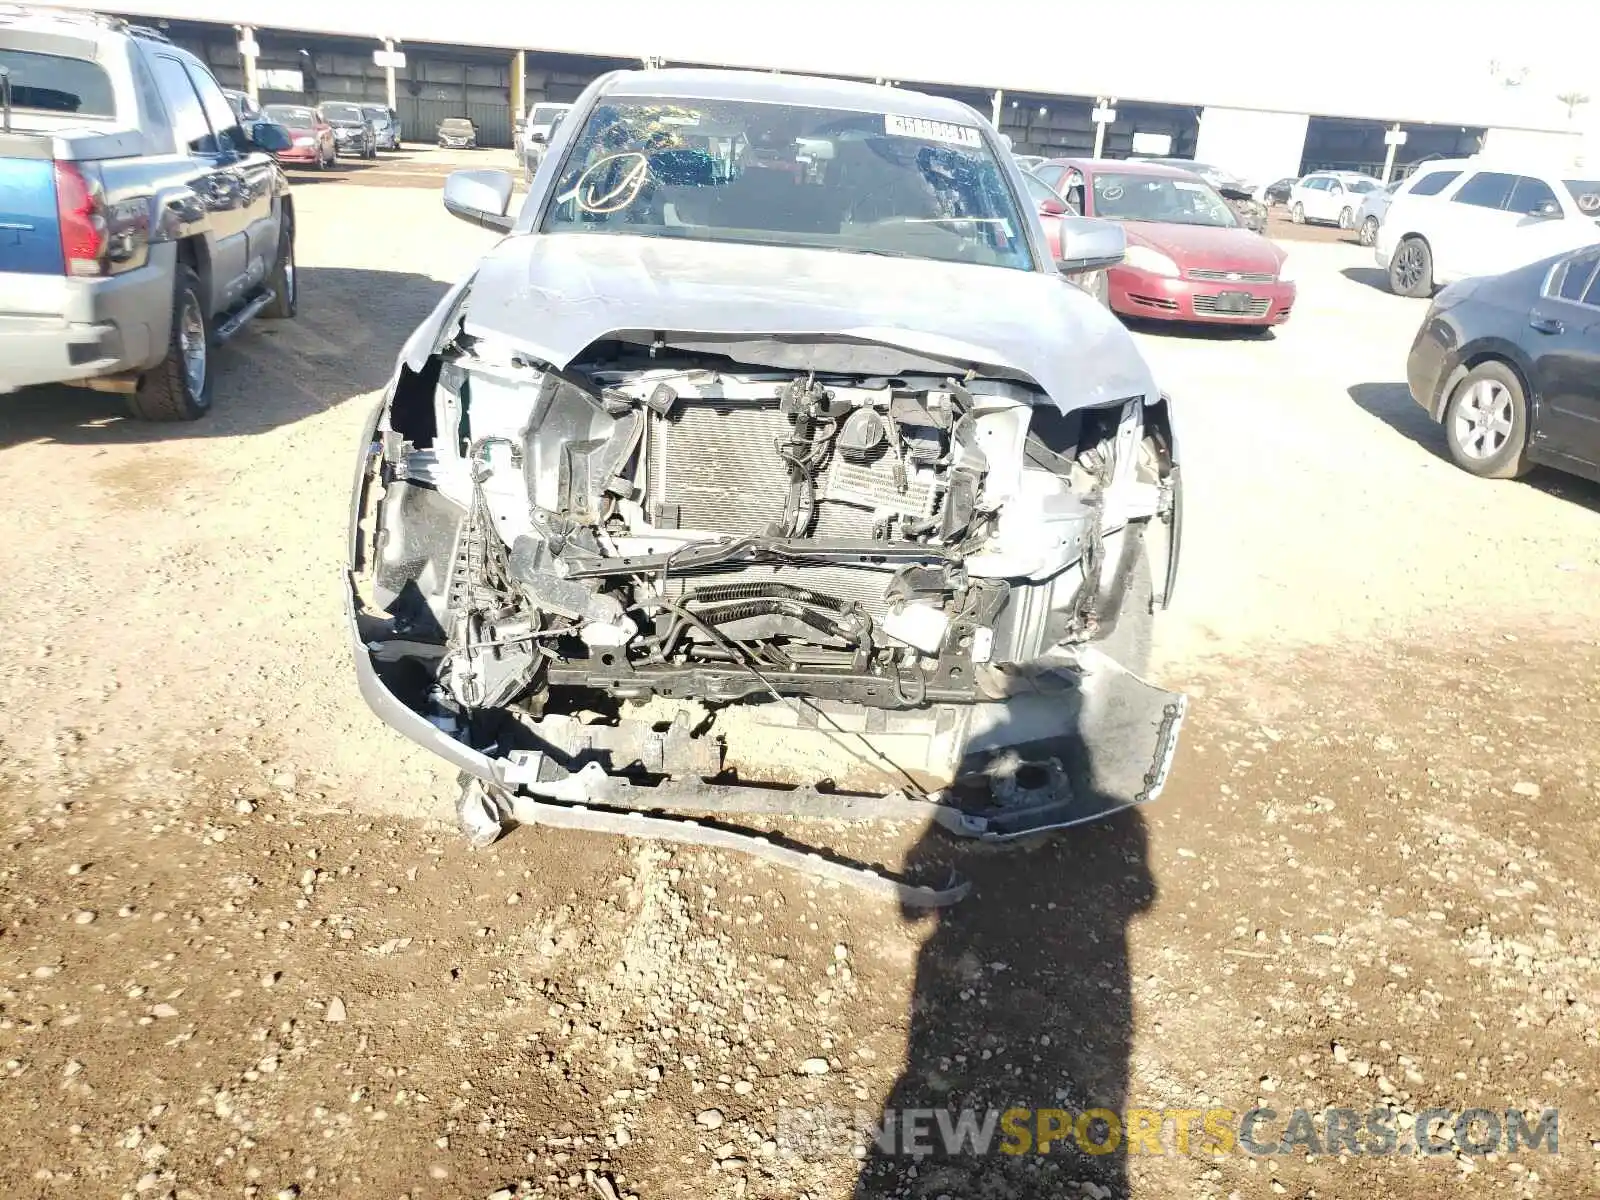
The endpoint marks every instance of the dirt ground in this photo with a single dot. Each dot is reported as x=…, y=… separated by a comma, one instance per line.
x=243, y=951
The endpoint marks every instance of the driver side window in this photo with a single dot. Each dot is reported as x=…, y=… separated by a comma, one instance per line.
x=219, y=113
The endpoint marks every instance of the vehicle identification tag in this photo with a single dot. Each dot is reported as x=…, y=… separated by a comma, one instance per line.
x=932, y=131
x=1233, y=302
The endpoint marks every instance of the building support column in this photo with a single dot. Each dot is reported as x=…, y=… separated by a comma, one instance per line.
x=1393, y=139
x=388, y=71
x=519, y=87
x=1104, y=114
x=249, y=50
x=996, y=110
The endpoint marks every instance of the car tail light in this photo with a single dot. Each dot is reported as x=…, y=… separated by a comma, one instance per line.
x=98, y=238
x=80, y=209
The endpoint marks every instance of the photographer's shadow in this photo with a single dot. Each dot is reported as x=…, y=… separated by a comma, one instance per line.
x=1022, y=1001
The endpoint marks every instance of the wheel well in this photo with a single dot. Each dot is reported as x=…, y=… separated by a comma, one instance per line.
x=192, y=252
x=1467, y=366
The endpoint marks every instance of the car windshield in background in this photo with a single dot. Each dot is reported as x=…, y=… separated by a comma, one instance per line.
x=53, y=83
x=342, y=112
x=1361, y=186
x=543, y=114
x=1128, y=197
x=291, y=118
x=1587, y=194
x=456, y=125
x=790, y=175
x=376, y=113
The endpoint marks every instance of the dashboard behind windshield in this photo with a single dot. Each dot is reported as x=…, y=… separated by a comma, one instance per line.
x=1129, y=197
x=790, y=175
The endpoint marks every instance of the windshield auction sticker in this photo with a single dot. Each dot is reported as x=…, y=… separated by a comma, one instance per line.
x=931, y=131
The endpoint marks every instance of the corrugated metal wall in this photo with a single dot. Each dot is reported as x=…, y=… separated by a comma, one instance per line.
x=420, y=119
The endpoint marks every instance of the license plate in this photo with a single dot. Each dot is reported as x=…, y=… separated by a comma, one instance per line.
x=1233, y=302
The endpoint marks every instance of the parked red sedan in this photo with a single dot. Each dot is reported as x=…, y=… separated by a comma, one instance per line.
x=1189, y=258
x=310, y=135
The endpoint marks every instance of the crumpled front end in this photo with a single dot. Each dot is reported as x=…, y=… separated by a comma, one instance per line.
x=661, y=579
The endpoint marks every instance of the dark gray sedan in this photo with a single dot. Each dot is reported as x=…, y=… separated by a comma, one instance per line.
x=1510, y=364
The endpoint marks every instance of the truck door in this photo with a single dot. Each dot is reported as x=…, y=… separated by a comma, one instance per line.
x=256, y=173
x=213, y=173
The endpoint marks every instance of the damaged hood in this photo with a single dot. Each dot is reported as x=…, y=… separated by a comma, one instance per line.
x=553, y=295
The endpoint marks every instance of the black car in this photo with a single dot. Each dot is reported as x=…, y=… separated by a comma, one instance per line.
x=353, y=131
x=1510, y=364
x=1278, y=193
x=458, y=133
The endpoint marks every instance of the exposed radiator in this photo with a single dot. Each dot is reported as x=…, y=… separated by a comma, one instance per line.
x=717, y=468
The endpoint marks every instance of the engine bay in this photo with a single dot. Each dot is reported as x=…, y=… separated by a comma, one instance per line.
x=653, y=521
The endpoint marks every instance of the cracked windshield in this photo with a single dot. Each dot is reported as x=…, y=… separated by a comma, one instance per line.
x=776, y=174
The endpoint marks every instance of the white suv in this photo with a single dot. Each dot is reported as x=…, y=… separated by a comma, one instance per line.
x=1331, y=196
x=1463, y=217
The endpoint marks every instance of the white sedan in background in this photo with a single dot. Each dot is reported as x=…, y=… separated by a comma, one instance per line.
x=1331, y=197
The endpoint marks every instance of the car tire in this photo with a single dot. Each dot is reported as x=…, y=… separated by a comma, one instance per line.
x=1297, y=214
x=1369, y=232
x=1347, y=217
x=284, y=280
x=1486, y=422
x=1411, y=268
x=168, y=392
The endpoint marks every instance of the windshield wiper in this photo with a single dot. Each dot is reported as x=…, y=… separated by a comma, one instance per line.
x=879, y=251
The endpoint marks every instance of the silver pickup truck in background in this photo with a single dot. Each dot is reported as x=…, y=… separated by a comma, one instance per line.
x=140, y=225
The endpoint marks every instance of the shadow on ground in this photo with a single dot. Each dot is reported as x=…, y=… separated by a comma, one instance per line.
x=1368, y=277
x=343, y=343
x=1022, y=1000
x=1392, y=404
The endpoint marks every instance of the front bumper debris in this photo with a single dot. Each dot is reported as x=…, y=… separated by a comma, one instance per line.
x=1080, y=743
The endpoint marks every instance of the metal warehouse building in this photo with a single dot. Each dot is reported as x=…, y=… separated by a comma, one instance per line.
x=1150, y=76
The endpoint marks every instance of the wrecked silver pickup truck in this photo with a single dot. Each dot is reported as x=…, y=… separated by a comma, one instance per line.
x=770, y=465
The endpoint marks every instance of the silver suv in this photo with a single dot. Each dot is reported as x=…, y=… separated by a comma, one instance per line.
x=146, y=224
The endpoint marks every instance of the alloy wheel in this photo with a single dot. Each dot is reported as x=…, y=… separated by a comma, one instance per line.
x=1484, y=419
x=1408, y=266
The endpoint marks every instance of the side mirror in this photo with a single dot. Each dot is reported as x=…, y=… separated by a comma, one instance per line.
x=1052, y=208
x=1090, y=244
x=1547, y=211
x=538, y=137
x=273, y=138
x=480, y=198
